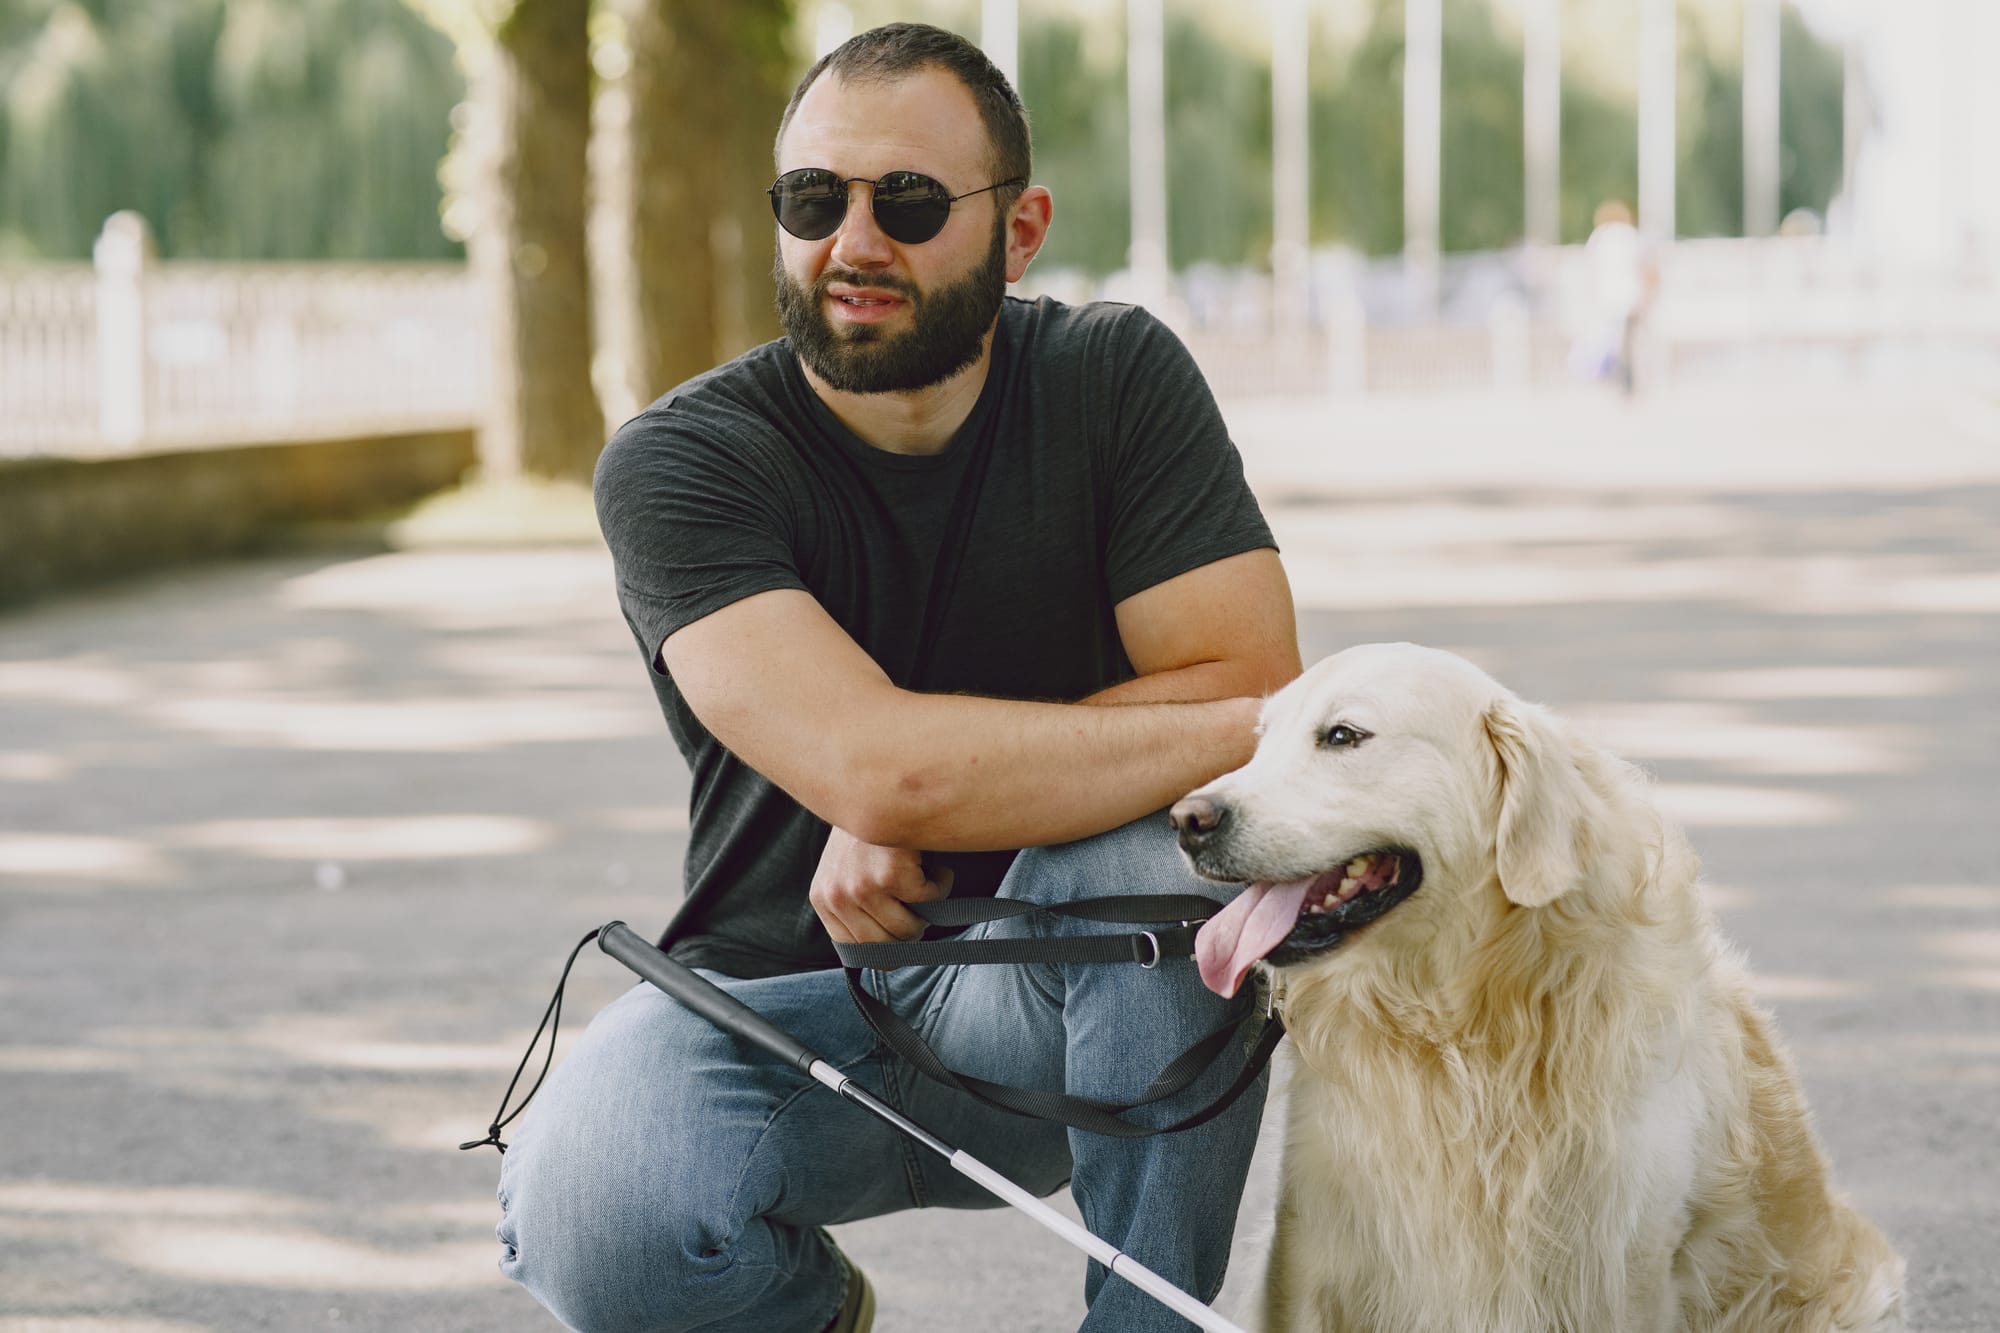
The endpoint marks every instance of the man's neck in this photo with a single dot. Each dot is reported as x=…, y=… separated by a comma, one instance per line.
x=921, y=422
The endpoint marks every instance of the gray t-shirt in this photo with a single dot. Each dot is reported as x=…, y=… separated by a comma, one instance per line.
x=1106, y=469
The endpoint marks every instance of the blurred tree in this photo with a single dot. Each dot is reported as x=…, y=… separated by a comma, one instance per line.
x=1809, y=117
x=1218, y=91
x=703, y=90
x=1076, y=114
x=254, y=129
x=520, y=172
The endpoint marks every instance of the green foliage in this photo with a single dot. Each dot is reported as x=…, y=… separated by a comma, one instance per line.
x=1219, y=126
x=242, y=129
x=314, y=128
x=1810, y=126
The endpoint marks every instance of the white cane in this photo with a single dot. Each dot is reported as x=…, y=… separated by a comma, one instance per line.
x=732, y=1015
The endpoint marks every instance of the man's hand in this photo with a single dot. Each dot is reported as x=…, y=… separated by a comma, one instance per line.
x=859, y=891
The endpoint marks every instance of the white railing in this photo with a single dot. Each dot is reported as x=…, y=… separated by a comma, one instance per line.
x=132, y=353
x=48, y=356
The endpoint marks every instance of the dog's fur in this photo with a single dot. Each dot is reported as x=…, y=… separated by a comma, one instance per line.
x=1537, y=1094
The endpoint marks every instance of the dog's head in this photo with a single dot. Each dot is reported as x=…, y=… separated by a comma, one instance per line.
x=1397, y=793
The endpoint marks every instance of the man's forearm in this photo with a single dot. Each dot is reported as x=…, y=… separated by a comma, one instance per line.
x=956, y=773
x=1194, y=684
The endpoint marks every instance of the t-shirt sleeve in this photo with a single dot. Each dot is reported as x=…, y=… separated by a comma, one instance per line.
x=1178, y=497
x=693, y=524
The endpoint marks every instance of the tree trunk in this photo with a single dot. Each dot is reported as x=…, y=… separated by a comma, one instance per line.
x=534, y=91
x=705, y=89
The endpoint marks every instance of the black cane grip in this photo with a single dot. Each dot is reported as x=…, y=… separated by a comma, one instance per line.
x=701, y=995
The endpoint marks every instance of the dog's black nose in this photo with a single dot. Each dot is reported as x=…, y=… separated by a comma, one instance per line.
x=1197, y=819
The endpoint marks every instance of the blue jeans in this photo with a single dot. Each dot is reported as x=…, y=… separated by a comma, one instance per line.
x=669, y=1177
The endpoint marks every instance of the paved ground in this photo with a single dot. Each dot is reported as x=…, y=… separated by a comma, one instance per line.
x=291, y=851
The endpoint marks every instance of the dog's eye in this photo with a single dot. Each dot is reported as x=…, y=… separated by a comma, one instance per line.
x=1340, y=736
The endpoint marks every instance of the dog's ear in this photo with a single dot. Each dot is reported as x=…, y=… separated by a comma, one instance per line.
x=1553, y=820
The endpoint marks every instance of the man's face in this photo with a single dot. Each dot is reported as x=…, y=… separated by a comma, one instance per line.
x=868, y=314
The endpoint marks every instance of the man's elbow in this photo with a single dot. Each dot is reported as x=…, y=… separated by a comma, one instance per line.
x=889, y=800
x=1268, y=670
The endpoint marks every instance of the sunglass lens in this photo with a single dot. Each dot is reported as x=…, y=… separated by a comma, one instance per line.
x=909, y=207
x=809, y=203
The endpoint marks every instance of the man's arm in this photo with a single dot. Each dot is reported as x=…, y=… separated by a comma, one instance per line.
x=779, y=683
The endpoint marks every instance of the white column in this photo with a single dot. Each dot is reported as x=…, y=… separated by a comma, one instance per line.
x=1761, y=144
x=1290, y=167
x=1657, y=58
x=1146, y=112
x=1423, y=137
x=123, y=253
x=1541, y=127
x=1854, y=123
x=1000, y=37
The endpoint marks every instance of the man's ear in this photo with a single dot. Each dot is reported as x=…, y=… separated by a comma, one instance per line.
x=1554, y=824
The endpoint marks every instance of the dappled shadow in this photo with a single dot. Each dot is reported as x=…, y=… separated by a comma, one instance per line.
x=290, y=853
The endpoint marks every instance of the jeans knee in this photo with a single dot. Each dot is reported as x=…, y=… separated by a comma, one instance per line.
x=1141, y=857
x=609, y=1259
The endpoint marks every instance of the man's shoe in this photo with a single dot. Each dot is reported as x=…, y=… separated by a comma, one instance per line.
x=857, y=1309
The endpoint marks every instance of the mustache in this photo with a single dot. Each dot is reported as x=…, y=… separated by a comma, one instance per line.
x=879, y=281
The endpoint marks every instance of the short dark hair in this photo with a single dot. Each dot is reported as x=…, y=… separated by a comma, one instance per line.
x=896, y=50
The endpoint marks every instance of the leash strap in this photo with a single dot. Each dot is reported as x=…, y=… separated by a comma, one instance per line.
x=1145, y=948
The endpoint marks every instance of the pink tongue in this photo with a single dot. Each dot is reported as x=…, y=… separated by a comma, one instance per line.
x=1245, y=931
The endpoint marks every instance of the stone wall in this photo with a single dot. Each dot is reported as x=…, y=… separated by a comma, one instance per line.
x=66, y=522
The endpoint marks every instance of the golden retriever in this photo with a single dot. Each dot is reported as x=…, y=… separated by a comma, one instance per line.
x=1530, y=1089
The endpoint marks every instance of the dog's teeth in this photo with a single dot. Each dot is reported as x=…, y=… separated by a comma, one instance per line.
x=1361, y=865
x=1330, y=900
x=1348, y=887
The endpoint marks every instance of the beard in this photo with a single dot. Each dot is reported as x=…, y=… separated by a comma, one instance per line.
x=947, y=327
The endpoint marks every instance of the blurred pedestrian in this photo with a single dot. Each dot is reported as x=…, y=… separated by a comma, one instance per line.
x=1624, y=279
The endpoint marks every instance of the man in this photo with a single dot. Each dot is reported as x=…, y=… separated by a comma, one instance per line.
x=856, y=560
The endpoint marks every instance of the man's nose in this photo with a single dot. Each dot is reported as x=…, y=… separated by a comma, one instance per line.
x=1197, y=820
x=859, y=243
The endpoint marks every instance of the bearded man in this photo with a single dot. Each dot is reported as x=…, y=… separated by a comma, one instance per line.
x=940, y=576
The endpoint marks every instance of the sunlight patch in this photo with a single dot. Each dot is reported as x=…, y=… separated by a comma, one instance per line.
x=385, y=838
x=1766, y=986
x=1813, y=682
x=75, y=856
x=1712, y=805
x=90, y=1323
x=460, y=590
x=63, y=1060
x=302, y=1260
x=77, y=680
x=1948, y=896
x=33, y=766
x=643, y=819
x=60, y=1199
x=1968, y=946
x=406, y=725
x=1732, y=738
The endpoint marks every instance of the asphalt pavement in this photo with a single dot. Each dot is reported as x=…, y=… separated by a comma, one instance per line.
x=291, y=850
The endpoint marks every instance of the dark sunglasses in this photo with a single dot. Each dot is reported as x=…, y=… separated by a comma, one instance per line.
x=909, y=207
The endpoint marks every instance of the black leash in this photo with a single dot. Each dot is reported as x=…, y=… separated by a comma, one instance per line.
x=1145, y=948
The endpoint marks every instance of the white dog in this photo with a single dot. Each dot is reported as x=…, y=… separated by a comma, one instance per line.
x=1530, y=1089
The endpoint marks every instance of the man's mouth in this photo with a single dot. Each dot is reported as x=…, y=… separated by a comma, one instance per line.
x=863, y=306
x=1288, y=922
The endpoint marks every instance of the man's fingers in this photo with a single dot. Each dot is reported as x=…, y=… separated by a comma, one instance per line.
x=895, y=921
